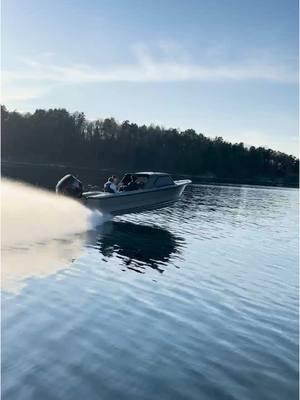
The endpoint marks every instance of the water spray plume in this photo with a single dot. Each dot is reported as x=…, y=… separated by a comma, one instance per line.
x=33, y=215
x=40, y=231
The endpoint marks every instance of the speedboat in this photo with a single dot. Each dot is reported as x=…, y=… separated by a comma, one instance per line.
x=155, y=190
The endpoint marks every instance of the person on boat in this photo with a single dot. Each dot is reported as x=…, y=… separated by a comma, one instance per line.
x=110, y=186
x=132, y=185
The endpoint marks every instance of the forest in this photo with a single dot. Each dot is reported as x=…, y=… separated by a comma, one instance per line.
x=57, y=136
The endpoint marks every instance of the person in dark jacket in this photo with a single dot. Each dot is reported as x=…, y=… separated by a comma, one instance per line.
x=132, y=185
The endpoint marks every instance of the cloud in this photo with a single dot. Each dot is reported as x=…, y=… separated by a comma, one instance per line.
x=146, y=68
x=170, y=66
x=22, y=93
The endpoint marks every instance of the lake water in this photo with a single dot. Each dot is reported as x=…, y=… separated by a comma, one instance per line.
x=195, y=301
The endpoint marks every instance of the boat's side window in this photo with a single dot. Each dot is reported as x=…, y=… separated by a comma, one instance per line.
x=141, y=181
x=126, y=179
x=164, y=181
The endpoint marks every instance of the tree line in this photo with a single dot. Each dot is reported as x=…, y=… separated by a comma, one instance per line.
x=57, y=136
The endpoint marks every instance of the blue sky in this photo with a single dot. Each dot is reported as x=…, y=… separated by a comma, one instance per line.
x=223, y=67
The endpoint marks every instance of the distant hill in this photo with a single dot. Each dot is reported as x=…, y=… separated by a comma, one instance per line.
x=56, y=136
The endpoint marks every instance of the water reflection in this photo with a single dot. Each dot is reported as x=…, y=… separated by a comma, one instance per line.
x=138, y=246
x=39, y=260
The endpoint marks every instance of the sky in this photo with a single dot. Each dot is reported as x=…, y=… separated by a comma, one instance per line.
x=222, y=67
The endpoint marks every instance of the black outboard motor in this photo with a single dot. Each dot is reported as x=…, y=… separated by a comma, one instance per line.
x=69, y=186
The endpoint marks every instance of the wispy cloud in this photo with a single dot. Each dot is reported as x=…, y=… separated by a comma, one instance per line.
x=22, y=93
x=146, y=68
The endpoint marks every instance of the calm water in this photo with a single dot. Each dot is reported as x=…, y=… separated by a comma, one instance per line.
x=195, y=301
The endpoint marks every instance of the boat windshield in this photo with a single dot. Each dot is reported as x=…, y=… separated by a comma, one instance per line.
x=140, y=179
x=164, y=181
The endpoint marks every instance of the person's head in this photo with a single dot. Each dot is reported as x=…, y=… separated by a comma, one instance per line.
x=111, y=179
x=115, y=179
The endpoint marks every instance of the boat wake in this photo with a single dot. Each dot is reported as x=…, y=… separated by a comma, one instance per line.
x=40, y=232
x=96, y=218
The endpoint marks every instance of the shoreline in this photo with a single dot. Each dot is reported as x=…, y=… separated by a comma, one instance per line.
x=202, y=179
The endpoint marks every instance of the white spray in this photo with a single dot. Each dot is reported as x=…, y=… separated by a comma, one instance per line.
x=40, y=232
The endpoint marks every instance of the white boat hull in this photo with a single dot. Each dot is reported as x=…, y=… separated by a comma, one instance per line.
x=135, y=201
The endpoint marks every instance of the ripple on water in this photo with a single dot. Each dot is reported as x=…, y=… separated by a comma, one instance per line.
x=212, y=313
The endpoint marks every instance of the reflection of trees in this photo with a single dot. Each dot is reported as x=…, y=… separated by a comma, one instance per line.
x=138, y=246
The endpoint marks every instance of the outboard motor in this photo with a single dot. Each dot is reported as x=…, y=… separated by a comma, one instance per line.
x=69, y=186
